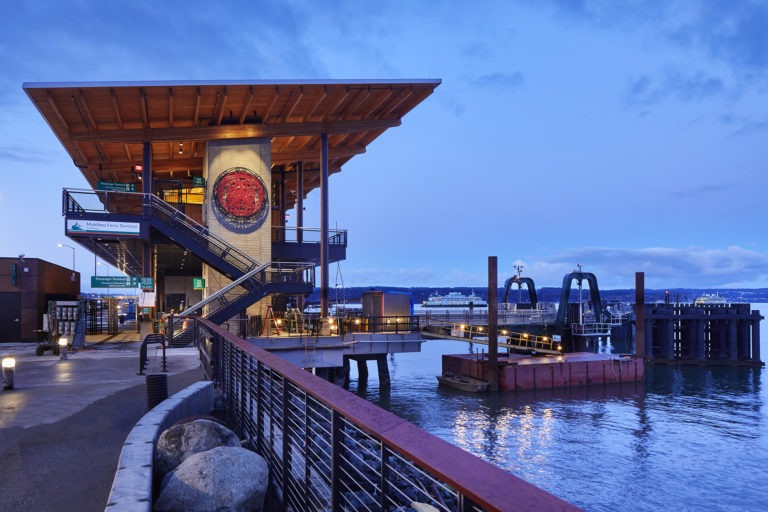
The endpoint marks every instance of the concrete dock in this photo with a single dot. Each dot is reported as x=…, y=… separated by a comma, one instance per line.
x=63, y=425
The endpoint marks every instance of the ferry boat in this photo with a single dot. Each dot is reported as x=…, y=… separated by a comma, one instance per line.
x=455, y=300
x=710, y=298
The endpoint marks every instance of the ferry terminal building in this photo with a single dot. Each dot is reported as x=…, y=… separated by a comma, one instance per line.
x=191, y=181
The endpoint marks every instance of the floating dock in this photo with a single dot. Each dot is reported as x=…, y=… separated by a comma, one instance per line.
x=521, y=372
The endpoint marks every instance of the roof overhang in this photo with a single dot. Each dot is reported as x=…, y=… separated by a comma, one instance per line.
x=104, y=125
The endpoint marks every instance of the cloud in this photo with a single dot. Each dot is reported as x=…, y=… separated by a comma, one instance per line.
x=500, y=80
x=750, y=128
x=664, y=267
x=615, y=268
x=22, y=154
x=701, y=191
x=730, y=33
x=686, y=87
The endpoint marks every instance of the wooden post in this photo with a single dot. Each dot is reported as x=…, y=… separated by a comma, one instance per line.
x=640, y=314
x=493, y=321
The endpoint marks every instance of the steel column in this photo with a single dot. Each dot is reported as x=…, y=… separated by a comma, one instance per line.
x=755, y=324
x=640, y=346
x=324, y=280
x=493, y=321
x=299, y=202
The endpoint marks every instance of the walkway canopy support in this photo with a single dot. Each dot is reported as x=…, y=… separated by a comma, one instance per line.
x=324, y=227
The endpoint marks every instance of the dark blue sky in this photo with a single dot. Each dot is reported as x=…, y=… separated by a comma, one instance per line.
x=621, y=136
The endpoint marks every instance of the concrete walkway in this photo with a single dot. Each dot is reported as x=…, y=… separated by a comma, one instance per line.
x=63, y=425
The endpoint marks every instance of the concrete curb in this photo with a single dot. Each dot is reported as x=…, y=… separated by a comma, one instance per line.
x=132, y=486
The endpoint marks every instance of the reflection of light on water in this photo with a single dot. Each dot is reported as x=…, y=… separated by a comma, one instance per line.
x=516, y=438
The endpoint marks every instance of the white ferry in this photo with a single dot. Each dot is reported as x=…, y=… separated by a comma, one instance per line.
x=455, y=300
x=710, y=298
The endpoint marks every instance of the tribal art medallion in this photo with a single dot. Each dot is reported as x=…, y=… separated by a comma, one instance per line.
x=240, y=200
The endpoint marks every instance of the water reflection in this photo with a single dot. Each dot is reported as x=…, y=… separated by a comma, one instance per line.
x=692, y=437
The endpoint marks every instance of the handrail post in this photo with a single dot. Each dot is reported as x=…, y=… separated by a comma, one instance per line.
x=336, y=445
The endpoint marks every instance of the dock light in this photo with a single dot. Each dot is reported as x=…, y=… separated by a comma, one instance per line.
x=559, y=347
x=9, y=369
x=63, y=348
x=479, y=329
x=357, y=321
x=525, y=336
x=504, y=332
x=462, y=326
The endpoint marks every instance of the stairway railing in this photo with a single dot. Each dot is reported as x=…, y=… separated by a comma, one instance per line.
x=248, y=288
x=196, y=231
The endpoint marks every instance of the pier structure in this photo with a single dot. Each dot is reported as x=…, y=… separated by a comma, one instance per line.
x=702, y=334
x=329, y=356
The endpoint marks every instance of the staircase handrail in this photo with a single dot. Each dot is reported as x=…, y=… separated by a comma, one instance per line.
x=234, y=284
x=177, y=217
x=80, y=201
x=225, y=297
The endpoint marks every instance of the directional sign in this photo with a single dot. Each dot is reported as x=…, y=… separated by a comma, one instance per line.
x=121, y=282
x=113, y=282
x=198, y=181
x=198, y=283
x=113, y=186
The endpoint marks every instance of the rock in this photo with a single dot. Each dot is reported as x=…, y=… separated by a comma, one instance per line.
x=223, y=479
x=423, y=507
x=181, y=441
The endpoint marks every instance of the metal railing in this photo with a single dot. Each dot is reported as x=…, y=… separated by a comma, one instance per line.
x=505, y=338
x=591, y=329
x=367, y=324
x=136, y=203
x=193, y=229
x=269, y=273
x=330, y=450
x=308, y=235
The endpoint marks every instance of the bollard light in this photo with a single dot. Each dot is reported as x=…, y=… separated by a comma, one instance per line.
x=9, y=369
x=63, y=342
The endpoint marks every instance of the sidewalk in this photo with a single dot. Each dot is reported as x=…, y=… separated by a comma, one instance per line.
x=63, y=425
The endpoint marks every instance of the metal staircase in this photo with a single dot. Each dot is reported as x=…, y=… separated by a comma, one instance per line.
x=188, y=233
x=275, y=277
x=251, y=280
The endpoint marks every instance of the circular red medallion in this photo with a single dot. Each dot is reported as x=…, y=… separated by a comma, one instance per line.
x=240, y=199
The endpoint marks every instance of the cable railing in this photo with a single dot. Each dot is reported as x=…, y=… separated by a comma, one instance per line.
x=330, y=450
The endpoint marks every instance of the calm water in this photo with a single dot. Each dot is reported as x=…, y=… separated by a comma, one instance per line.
x=687, y=439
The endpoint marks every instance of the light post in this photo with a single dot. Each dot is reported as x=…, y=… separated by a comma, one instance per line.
x=73, y=259
x=9, y=369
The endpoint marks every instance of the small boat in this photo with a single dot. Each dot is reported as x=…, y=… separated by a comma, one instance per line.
x=463, y=383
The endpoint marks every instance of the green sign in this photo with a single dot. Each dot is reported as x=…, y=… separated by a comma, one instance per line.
x=198, y=181
x=113, y=282
x=121, y=282
x=198, y=283
x=113, y=186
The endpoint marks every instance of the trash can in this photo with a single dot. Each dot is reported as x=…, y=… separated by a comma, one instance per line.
x=157, y=389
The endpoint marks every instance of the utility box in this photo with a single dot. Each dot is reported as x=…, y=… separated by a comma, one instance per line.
x=380, y=303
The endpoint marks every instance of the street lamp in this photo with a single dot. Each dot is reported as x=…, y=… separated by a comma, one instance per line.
x=73, y=259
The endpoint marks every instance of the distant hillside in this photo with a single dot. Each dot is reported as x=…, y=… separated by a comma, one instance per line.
x=548, y=294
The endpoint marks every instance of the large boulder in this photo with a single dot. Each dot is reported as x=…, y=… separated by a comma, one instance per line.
x=181, y=441
x=223, y=479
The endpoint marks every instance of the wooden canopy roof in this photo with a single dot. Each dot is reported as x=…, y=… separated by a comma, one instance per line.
x=103, y=126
